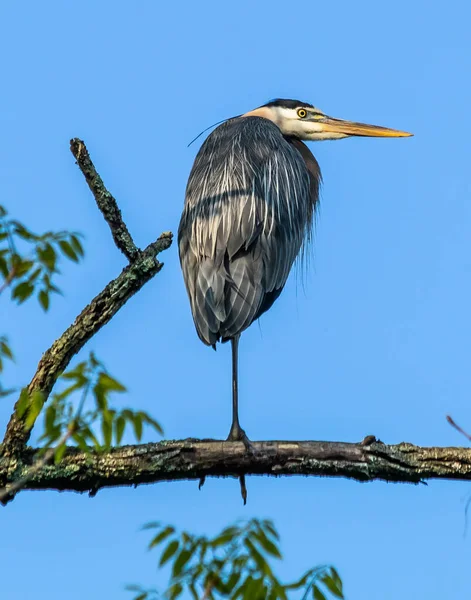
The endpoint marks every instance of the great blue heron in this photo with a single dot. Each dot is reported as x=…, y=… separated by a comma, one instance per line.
x=249, y=208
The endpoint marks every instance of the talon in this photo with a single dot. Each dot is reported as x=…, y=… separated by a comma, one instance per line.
x=243, y=488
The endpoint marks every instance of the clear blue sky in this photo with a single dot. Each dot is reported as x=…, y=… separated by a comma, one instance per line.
x=376, y=342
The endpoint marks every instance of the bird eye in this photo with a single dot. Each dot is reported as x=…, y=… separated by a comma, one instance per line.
x=302, y=113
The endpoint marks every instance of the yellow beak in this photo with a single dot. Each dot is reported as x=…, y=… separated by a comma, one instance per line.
x=330, y=125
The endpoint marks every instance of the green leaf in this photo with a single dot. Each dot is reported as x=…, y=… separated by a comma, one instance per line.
x=175, y=591
x=80, y=383
x=22, y=232
x=107, y=427
x=108, y=383
x=34, y=275
x=253, y=588
x=120, y=424
x=279, y=590
x=193, y=591
x=336, y=579
x=160, y=537
x=78, y=371
x=36, y=402
x=4, y=268
x=100, y=397
x=47, y=256
x=332, y=586
x=137, y=424
x=220, y=585
x=267, y=526
x=59, y=453
x=151, y=525
x=23, y=267
x=226, y=535
x=51, y=436
x=169, y=552
x=81, y=442
x=181, y=561
x=53, y=288
x=50, y=417
x=90, y=437
x=301, y=581
x=266, y=544
x=152, y=422
x=317, y=594
x=22, y=291
x=5, y=348
x=15, y=259
x=257, y=558
x=238, y=593
x=76, y=244
x=233, y=580
x=68, y=250
x=43, y=297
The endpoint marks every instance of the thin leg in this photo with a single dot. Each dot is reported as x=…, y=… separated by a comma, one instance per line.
x=235, y=429
x=237, y=434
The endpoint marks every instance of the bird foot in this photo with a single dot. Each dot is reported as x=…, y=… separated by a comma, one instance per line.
x=237, y=434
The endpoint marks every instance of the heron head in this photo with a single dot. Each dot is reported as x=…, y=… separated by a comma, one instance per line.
x=306, y=122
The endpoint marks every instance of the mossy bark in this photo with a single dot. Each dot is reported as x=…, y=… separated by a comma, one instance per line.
x=197, y=459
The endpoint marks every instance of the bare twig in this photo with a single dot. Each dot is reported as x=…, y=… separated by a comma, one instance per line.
x=194, y=459
x=105, y=201
x=458, y=428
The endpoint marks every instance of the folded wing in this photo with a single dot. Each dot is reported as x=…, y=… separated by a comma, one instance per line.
x=248, y=208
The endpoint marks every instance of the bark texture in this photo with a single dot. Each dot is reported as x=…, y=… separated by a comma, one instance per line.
x=197, y=459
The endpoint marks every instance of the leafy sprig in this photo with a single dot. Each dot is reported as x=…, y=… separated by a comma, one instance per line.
x=84, y=408
x=235, y=564
x=32, y=270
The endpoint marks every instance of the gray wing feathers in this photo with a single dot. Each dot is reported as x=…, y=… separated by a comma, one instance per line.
x=245, y=218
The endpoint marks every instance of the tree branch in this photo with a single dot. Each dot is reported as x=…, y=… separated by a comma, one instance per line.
x=196, y=459
x=105, y=201
x=143, y=266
